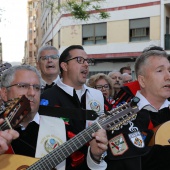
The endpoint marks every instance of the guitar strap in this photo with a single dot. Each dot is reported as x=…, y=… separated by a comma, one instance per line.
x=71, y=113
x=51, y=134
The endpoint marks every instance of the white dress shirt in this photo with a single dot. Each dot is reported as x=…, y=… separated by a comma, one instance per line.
x=144, y=103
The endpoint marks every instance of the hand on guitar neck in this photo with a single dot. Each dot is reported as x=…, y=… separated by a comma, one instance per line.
x=112, y=121
x=6, y=137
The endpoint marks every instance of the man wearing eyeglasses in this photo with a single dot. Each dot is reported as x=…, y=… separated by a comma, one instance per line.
x=24, y=80
x=47, y=63
x=71, y=92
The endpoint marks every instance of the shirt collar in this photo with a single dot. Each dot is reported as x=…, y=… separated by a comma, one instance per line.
x=36, y=120
x=144, y=103
x=55, y=81
x=69, y=89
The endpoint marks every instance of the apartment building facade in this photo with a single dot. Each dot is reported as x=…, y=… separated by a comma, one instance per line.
x=33, y=32
x=113, y=42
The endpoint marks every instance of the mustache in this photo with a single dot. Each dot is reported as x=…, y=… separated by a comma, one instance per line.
x=117, y=83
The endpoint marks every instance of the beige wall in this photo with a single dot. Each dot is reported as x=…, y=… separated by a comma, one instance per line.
x=155, y=25
x=118, y=31
x=71, y=35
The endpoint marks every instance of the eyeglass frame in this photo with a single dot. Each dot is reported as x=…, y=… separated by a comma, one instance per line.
x=28, y=86
x=101, y=87
x=53, y=57
x=90, y=59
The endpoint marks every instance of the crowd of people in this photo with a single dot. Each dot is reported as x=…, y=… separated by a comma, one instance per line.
x=60, y=82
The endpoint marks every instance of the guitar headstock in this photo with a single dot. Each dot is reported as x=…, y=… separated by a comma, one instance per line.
x=120, y=116
x=4, y=67
x=15, y=110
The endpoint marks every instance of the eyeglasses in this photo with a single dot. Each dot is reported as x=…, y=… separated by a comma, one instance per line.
x=26, y=86
x=100, y=87
x=81, y=60
x=46, y=57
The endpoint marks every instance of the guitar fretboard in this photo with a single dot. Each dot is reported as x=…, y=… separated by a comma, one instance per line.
x=59, y=154
x=4, y=126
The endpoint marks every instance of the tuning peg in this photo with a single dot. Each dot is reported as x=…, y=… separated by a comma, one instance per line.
x=134, y=101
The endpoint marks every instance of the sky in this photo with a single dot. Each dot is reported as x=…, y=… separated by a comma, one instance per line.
x=13, y=29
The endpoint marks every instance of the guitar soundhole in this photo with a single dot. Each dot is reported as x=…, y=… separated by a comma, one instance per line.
x=23, y=167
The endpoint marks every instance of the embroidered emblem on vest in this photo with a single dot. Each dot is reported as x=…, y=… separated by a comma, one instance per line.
x=51, y=143
x=95, y=106
x=136, y=139
x=118, y=145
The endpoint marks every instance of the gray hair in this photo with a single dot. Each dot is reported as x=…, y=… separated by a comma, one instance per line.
x=112, y=72
x=44, y=48
x=9, y=74
x=154, y=51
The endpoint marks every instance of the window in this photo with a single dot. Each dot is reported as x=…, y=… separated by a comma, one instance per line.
x=30, y=53
x=30, y=31
x=139, y=29
x=94, y=34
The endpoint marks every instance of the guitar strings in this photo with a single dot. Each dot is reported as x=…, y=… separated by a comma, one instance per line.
x=5, y=125
x=71, y=144
x=81, y=139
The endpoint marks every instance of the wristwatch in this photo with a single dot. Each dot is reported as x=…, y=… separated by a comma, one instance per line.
x=101, y=158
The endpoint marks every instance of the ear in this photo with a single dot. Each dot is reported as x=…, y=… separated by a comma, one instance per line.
x=141, y=80
x=64, y=66
x=4, y=94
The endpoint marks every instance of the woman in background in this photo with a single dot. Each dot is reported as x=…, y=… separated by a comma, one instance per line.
x=103, y=83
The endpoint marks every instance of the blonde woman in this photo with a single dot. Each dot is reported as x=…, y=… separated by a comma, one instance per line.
x=103, y=83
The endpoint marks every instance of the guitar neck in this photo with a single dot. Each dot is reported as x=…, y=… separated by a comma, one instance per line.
x=114, y=121
x=4, y=126
x=14, y=111
x=59, y=154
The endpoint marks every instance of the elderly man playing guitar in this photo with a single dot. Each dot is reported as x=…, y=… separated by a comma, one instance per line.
x=26, y=80
x=128, y=148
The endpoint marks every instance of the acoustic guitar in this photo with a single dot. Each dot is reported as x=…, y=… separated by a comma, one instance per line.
x=161, y=134
x=14, y=111
x=112, y=121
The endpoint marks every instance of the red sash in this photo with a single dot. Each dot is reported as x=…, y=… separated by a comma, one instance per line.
x=10, y=150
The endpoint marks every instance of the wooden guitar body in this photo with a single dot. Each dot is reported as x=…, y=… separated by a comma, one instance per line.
x=15, y=162
x=161, y=135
